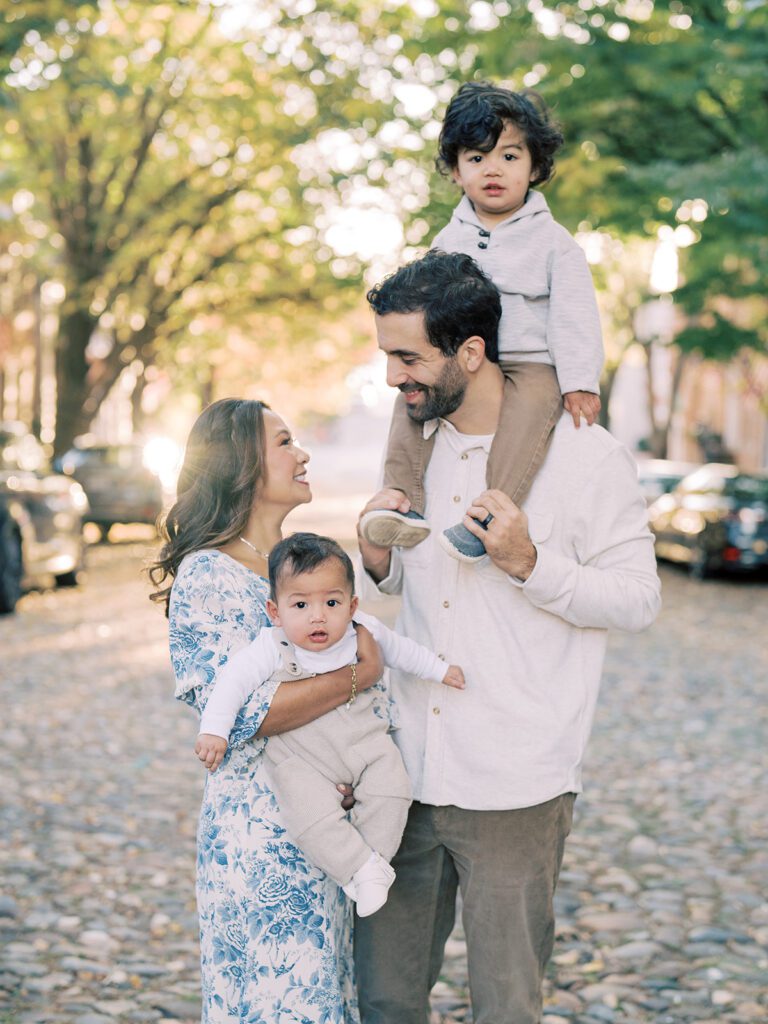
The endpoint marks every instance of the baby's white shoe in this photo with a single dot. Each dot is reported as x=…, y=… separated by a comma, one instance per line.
x=370, y=884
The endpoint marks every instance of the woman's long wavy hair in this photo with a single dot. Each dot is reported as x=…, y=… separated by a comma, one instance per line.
x=223, y=466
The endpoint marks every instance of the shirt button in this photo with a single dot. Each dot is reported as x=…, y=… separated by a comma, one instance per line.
x=465, y=456
x=457, y=497
x=435, y=711
x=482, y=245
x=446, y=604
x=484, y=233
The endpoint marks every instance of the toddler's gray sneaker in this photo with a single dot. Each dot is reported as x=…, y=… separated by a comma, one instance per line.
x=463, y=545
x=388, y=529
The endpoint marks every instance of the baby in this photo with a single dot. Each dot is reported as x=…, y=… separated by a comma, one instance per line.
x=312, y=607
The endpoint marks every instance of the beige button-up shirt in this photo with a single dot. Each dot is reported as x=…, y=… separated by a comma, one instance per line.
x=532, y=653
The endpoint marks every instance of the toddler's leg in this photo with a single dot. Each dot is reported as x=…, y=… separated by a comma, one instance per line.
x=530, y=410
x=406, y=460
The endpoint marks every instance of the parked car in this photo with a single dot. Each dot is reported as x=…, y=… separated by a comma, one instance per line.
x=119, y=486
x=41, y=519
x=660, y=476
x=716, y=518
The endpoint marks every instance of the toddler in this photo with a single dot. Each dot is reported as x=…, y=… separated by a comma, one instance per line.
x=496, y=144
x=312, y=607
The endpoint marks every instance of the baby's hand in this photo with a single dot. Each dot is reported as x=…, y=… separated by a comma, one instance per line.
x=582, y=403
x=454, y=677
x=211, y=750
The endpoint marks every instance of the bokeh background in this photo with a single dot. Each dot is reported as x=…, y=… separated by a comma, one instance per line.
x=193, y=197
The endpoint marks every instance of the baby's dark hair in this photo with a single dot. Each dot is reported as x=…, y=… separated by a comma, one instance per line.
x=456, y=296
x=475, y=119
x=304, y=552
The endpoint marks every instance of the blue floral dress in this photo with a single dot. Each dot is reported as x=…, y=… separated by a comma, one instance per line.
x=275, y=932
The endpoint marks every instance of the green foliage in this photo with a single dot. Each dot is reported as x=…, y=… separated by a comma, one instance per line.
x=662, y=104
x=159, y=152
x=717, y=338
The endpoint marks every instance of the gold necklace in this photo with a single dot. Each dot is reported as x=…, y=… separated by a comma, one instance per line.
x=253, y=547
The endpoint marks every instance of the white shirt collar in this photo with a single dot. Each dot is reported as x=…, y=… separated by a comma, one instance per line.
x=457, y=440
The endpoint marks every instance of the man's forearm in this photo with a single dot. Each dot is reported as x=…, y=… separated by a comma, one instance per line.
x=622, y=596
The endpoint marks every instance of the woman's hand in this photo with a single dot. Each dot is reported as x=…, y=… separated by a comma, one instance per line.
x=348, y=796
x=370, y=664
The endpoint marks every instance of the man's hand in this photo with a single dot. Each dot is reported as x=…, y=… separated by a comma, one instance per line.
x=375, y=559
x=582, y=403
x=211, y=750
x=506, y=539
x=454, y=677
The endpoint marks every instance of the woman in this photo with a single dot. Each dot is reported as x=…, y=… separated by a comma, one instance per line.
x=275, y=931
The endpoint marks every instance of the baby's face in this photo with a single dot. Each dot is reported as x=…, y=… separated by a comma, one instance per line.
x=314, y=608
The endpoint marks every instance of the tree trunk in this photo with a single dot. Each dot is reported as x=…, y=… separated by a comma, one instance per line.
x=606, y=387
x=657, y=435
x=137, y=413
x=674, y=391
x=75, y=329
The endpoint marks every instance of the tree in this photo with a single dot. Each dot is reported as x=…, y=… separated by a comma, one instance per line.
x=202, y=161
x=159, y=154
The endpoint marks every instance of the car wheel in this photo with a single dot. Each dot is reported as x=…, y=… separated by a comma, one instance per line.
x=698, y=565
x=67, y=579
x=10, y=565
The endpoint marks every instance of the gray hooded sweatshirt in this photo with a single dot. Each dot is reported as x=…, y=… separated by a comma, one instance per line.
x=549, y=312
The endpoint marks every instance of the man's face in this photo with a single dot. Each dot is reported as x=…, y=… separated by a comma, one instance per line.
x=432, y=384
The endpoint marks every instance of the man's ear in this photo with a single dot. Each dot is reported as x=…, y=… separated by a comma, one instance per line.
x=353, y=606
x=473, y=353
x=272, y=612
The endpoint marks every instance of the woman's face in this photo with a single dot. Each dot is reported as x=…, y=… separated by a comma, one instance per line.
x=285, y=478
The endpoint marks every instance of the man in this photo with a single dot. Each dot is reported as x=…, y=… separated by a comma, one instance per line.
x=495, y=768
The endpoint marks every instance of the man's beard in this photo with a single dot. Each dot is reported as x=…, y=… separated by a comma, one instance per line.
x=443, y=397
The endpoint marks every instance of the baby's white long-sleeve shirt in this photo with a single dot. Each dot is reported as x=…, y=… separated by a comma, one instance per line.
x=256, y=662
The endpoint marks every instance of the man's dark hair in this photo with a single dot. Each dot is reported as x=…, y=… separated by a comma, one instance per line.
x=304, y=552
x=457, y=298
x=475, y=119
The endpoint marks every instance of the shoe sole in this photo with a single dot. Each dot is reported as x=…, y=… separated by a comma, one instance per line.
x=454, y=552
x=386, y=532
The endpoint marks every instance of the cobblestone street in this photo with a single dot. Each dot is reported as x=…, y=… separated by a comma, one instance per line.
x=662, y=906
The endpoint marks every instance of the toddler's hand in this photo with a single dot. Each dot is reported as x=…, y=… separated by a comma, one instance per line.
x=454, y=677
x=211, y=750
x=582, y=403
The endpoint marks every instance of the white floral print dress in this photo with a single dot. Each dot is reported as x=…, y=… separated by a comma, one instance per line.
x=275, y=932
